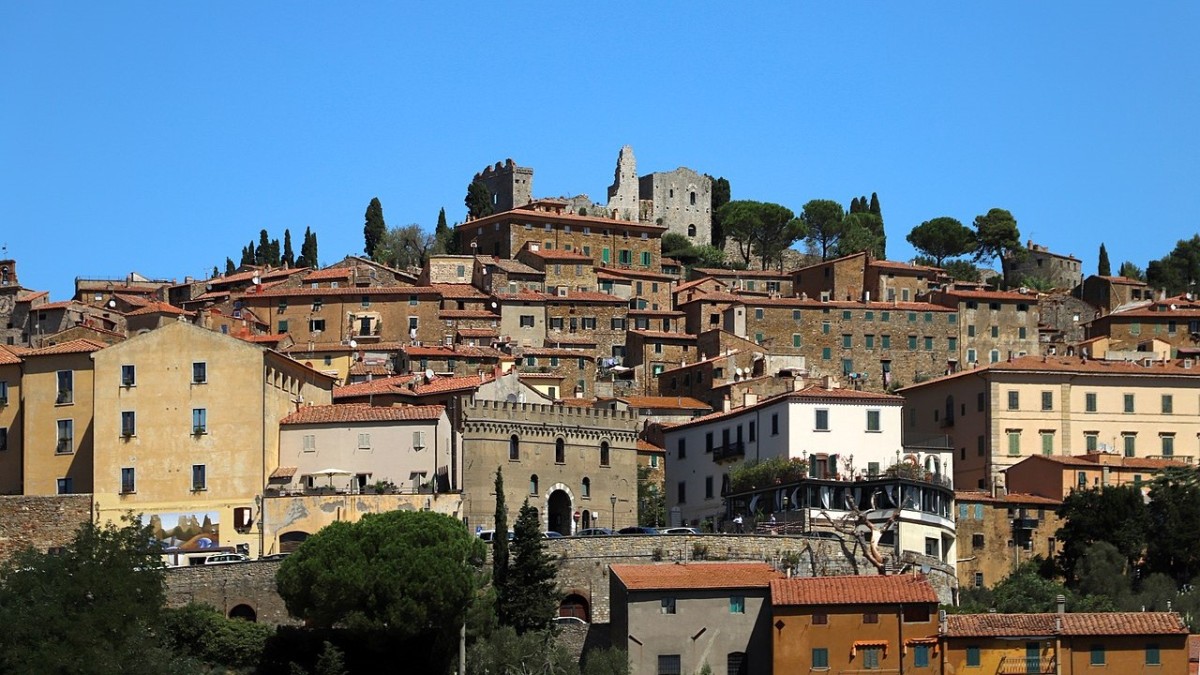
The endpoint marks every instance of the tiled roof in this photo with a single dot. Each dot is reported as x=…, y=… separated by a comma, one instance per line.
x=830, y=262
x=159, y=308
x=577, y=402
x=466, y=314
x=812, y=393
x=361, y=412
x=811, y=303
x=720, y=272
x=891, y=265
x=585, y=296
x=388, y=385
x=262, y=274
x=555, y=254
x=647, y=446
x=1011, y=296
x=373, y=291
x=360, y=368
x=660, y=335
x=552, y=351
x=1010, y=498
x=540, y=376
x=29, y=296
x=459, y=291
x=653, y=312
x=823, y=394
x=8, y=358
x=448, y=384
x=522, y=215
x=697, y=576
x=633, y=274
x=72, y=347
x=669, y=402
x=1082, y=624
x=1112, y=461
x=513, y=266
x=327, y=273
x=1072, y=365
x=712, y=296
x=269, y=338
x=284, y=473
x=478, y=332
x=852, y=590
x=457, y=351
x=135, y=300
x=61, y=304
x=1123, y=280
x=524, y=295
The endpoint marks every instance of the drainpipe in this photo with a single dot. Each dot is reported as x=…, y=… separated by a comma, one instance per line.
x=900, y=635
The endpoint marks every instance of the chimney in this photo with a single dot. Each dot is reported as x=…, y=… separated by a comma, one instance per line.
x=749, y=399
x=1060, y=602
x=725, y=405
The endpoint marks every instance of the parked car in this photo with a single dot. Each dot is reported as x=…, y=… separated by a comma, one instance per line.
x=595, y=532
x=638, y=529
x=488, y=535
x=681, y=530
x=569, y=621
x=551, y=534
x=275, y=556
x=226, y=558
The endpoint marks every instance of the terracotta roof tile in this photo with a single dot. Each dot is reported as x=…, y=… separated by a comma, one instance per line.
x=1082, y=623
x=1010, y=498
x=1111, y=461
x=361, y=412
x=1011, y=296
x=698, y=576
x=514, y=266
x=1072, y=365
x=448, y=384
x=72, y=347
x=660, y=335
x=720, y=272
x=555, y=254
x=577, y=402
x=373, y=291
x=696, y=282
x=61, y=304
x=852, y=590
x=523, y=295
x=540, y=376
x=159, y=308
x=524, y=214
x=283, y=473
x=8, y=358
x=585, y=296
x=812, y=393
x=459, y=291
x=327, y=273
x=360, y=368
x=467, y=314
x=552, y=351
x=29, y=296
x=135, y=300
x=458, y=351
x=632, y=274
x=647, y=446
x=892, y=265
x=387, y=385
x=478, y=332
x=672, y=402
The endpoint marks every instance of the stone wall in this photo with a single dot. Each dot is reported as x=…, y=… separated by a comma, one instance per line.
x=226, y=587
x=40, y=522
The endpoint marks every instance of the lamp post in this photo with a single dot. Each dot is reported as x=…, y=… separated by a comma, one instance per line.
x=612, y=499
x=785, y=514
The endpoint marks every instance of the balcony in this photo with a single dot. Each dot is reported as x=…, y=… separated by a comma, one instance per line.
x=735, y=450
x=1017, y=665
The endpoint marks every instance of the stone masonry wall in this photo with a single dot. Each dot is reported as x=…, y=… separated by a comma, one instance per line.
x=228, y=586
x=40, y=522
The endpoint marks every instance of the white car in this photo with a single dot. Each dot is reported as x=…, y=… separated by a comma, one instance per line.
x=226, y=558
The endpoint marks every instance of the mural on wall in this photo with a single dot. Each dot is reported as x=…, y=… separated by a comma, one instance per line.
x=185, y=531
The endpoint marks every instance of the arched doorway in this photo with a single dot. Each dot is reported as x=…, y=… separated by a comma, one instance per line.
x=587, y=519
x=244, y=612
x=290, y=541
x=558, y=512
x=575, y=605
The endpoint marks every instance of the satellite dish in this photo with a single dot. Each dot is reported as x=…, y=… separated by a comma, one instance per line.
x=429, y=374
x=353, y=344
x=208, y=287
x=493, y=304
x=112, y=303
x=1174, y=307
x=256, y=280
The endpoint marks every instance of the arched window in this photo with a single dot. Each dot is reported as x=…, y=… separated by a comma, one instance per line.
x=693, y=198
x=604, y=453
x=514, y=448
x=691, y=230
x=533, y=484
x=587, y=488
x=560, y=451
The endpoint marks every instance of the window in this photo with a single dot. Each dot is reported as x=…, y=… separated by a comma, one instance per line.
x=669, y=664
x=604, y=453
x=1128, y=403
x=921, y=656
x=973, y=653
x=820, y=657
x=1091, y=441
x=533, y=484
x=586, y=488
x=928, y=343
x=978, y=584
x=820, y=619
x=994, y=356
x=976, y=541
x=873, y=420
x=870, y=656
x=1168, y=404
x=1168, y=445
x=364, y=441
x=847, y=341
x=667, y=605
x=1097, y=658
x=66, y=387
x=1130, y=442
x=199, y=477
x=708, y=442
x=65, y=486
x=316, y=304
x=681, y=492
x=1014, y=442
x=645, y=258
x=199, y=372
x=1152, y=655
x=912, y=343
x=560, y=451
x=1014, y=400
x=825, y=326
x=822, y=422
x=952, y=344
x=870, y=617
x=885, y=341
x=128, y=480
x=682, y=448
x=1047, y=442
x=314, y=326
x=1089, y=402
x=128, y=378
x=3, y=439
x=412, y=301
x=199, y=421
x=737, y=604
x=826, y=353
x=625, y=256
x=282, y=326
x=310, y=443
x=708, y=487
x=774, y=424
x=128, y=426
x=870, y=341
x=1047, y=400
x=514, y=449
x=526, y=321
x=66, y=437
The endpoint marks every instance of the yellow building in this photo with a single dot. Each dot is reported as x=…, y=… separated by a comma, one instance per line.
x=188, y=432
x=1087, y=642
x=56, y=404
x=1058, y=405
x=10, y=423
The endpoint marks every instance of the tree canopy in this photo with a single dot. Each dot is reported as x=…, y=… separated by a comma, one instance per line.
x=1114, y=514
x=374, y=227
x=93, y=608
x=823, y=225
x=997, y=235
x=761, y=228
x=445, y=239
x=478, y=200
x=404, y=247
x=1174, y=515
x=1131, y=271
x=862, y=231
x=720, y=197
x=942, y=238
x=1179, y=270
x=408, y=575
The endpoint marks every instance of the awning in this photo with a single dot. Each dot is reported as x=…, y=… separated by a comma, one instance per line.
x=860, y=644
x=284, y=473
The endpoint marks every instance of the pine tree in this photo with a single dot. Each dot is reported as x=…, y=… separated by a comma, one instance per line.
x=1104, y=267
x=374, y=229
x=500, y=551
x=531, y=595
x=289, y=258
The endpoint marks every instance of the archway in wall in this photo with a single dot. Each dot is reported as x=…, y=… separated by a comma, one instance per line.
x=558, y=512
x=290, y=541
x=587, y=520
x=244, y=612
x=575, y=605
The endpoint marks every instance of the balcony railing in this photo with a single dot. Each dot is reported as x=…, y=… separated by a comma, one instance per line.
x=735, y=450
x=1017, y=665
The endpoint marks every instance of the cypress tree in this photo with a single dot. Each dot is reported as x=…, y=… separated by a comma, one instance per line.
x=531, y=595
x=248, y=254
x=263, y=255
x=500, y=551
x=854, y=205
x=230, y=268
x=216, y=272
x=1104, y=267
x=374, y=228
x=289, y=258
x=875, y=205
x=444, y=237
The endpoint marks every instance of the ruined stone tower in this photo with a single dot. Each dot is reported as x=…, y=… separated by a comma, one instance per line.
x=623, y=194
x=511, y=186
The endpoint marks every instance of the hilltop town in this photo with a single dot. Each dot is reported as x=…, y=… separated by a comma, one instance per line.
x=810, y=451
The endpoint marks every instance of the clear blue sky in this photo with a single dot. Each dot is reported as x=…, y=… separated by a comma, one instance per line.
x=161, y=137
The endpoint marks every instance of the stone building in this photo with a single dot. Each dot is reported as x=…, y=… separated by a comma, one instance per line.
x=996, y=533
x=764, y=282
x=500, y=275
x=577, y=466
x=993, y=325
x=600, y=317
x=511, y=186
x=1175, y=321
x=1040, y=263
x=859, y=276
x=1108, y=293
x=623, y=197
x=681, y=201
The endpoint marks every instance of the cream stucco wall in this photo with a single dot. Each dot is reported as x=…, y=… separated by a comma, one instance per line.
x=44, y=461
x=247, y=390
x=11, y=458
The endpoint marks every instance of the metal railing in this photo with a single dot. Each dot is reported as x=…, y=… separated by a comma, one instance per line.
x=732, y=450
x=1018, y=665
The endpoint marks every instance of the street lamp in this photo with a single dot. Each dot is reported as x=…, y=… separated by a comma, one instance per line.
x=785, y=514
x=612, y=499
